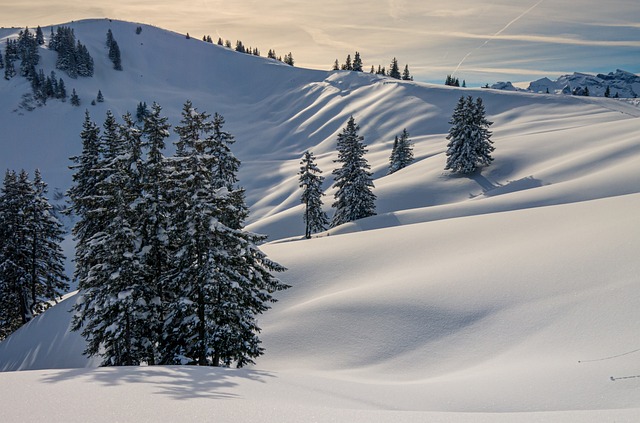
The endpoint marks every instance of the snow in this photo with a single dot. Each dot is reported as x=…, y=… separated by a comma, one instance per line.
x=506, y=296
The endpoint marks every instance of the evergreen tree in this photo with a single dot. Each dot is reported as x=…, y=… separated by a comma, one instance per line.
x=336, y=65
x=288, y=59
x=406, y=76
x=347, y=64
x=114, y=51
x=354, y=198
x=469, y=145
x=100, y=97
x=607, y=92
x=9, y=68
x=402, y=152
x=75, y=100
x=114, y=308
x=315, y=219
x=61, y=91
x=142, y=111
x=221, y=280
x=357, y=62
x=394, y=70
x=31, y=260
x=39, y=36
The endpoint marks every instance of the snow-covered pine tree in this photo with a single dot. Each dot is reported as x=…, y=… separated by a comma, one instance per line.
x=402, y=152
x=470, y=142
x=221, y=279
x=114, y=309
x=31, y=259
x=75, y=100
x=354, y=198
x=315, y=219
x=153, y=222
x=48, y=279
x=14, y=306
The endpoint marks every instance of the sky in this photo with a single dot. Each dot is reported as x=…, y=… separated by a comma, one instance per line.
x=477, y=41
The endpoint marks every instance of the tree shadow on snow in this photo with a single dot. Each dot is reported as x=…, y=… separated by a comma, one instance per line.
x=178, y=382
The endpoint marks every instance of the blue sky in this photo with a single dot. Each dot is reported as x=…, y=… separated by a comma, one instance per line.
x=480, y=41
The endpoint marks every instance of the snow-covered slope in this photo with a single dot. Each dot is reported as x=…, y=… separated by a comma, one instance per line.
x=507, y=296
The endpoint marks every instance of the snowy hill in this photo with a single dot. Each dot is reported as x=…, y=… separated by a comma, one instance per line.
x=510, y=295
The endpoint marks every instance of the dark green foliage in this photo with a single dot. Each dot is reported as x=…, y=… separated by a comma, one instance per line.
x=354, y=197
x=100, y=97
x=315, y=219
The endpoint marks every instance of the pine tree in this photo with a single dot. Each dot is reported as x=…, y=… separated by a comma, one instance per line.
x=607, y=92
x=114, y=51
x=402, y=152
x=9, y=68
x=315, y=219
x=100, y=97
x=114, y=308
x=39, y=36
x=406, y=76
x=347, y=63
x=354, y=198
x=221, y=280
x=336, y=65
x=153, y=223
x=75, y=100
x=394, y=70
x=31, y=260
x=357, y=62
x=469, y=145
x=288, y=59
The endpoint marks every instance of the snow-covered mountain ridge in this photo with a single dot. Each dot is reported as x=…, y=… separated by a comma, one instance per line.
x=618, y=84
x=504, y=296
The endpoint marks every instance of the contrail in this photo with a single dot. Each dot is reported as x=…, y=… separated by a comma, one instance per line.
x=496, y=34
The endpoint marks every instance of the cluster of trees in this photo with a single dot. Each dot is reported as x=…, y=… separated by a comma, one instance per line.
x=45, y=87
x=114, y=51
x=469, y=147
x=470, y=144
x=357, y=66
x=241, y=48
x=455, y=82
x=31, y=260
x=25, y=49
x=354, y=198
x=167, y=273
x=73, y=56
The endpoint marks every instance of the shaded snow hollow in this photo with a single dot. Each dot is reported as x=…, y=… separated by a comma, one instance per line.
x=506, y=296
